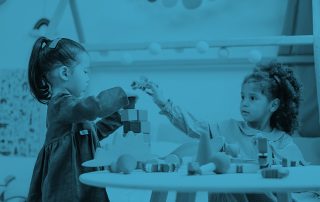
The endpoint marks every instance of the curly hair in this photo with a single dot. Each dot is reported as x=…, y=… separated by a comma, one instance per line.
x=277, y=81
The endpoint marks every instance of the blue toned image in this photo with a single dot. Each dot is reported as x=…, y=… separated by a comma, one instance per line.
x=159, y=100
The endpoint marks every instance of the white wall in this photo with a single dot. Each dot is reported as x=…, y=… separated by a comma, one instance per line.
x=211, y=93
x=137, y=21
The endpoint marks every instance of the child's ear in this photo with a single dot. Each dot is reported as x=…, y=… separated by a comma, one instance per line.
x=64, y=73
x=275, y=103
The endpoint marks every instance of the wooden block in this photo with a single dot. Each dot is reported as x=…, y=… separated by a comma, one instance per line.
x=142, y=115
x=132, y=102
x=193, y=168
x=284, y=162
x=163, y=167
x=129, y=115
x=274, y=172
x=262, y=144
x=263, y=161
x=151, y=167
x=136, y=127
x=293, y=163
x=145, y=127
x=239, y=168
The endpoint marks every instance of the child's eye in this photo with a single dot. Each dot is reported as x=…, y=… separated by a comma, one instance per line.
x=252, y=98
x=242, y=97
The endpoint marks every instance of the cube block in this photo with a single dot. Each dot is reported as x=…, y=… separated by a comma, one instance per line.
x=142, y=115
x=134, y=115
x=136, y=127
x=129, y=115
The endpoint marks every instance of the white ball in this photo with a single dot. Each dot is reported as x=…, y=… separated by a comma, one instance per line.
x=169, y=3
x=255, y=56
x=191, y=4
x=202, y=46
x=223, y=52
x=155, y=48
x=126, y=59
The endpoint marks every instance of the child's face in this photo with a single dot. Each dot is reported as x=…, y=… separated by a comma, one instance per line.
x=79, y=79
x=254, y=106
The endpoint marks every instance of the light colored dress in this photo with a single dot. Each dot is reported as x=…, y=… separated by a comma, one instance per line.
x=280, y=143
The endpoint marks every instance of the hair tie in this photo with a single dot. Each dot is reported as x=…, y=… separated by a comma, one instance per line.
x=278, y=81
x=54, y=43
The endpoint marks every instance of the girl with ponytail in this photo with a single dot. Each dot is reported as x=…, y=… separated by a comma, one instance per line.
x=58, y=77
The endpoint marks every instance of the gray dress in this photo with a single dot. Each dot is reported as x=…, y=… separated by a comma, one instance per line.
x=71, y=139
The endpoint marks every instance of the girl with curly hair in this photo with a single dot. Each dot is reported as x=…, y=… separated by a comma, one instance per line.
x=270, y=98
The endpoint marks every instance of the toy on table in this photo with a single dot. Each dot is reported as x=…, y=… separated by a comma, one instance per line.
x=218, y=163
x=126, y=163
x=277, y=172
x=133, y=119
x=215, y=156
x=130, y=149
x=169, y=163
x=208, y=161
x=262, y=145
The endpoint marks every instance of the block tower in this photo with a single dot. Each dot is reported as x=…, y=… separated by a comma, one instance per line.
x=135, y=120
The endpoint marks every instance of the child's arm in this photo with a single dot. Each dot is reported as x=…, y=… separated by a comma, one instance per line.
x=178, y=117
x=72, y=110
x=108, y=125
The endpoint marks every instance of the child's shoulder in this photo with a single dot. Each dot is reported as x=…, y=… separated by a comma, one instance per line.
x=227, y=126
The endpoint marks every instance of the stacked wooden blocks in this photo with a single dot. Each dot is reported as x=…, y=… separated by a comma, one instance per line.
x=135, y=120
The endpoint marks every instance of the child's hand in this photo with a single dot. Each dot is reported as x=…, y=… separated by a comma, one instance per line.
x=151, y=89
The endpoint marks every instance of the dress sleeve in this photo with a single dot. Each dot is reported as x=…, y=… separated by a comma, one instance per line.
x=108, y=125
x=184, y=121
x=70, y=109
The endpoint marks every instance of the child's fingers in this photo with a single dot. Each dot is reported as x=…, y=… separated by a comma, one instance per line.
x=151, y=86
x=149, y=93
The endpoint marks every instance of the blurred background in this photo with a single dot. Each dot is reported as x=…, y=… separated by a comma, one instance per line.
x=198, y=51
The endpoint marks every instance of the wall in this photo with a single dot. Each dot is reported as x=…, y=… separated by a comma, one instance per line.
x=212, y=95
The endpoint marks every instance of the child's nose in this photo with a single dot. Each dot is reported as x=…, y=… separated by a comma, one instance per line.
x=244, y=102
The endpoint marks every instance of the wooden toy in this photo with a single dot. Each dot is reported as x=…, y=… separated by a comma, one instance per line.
x=126, y=163
x=221, y=162
x=262, y=145
x=278, y=172
x=132, y=102
x=193, y=168
x=136, y=127
x=173, y=159
x=142, y=115
x=218, y=163
x=232, y=149
x=113, y=167
x=129, y=115
x=204, y=149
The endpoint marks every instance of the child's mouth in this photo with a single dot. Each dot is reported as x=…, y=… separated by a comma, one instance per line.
x=245, y=112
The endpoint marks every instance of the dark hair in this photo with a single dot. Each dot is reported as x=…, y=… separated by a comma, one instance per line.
x=279, y=82
x=45, y=56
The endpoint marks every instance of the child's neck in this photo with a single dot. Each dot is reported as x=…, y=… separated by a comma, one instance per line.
x=264, y=126
x=57, y=90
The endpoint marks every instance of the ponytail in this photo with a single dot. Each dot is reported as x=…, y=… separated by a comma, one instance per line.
x=38, y=83
x=45, y=56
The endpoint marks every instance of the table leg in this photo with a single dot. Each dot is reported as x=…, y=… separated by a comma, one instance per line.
x=284, y=197
x=157, y=196
x=186, y=197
